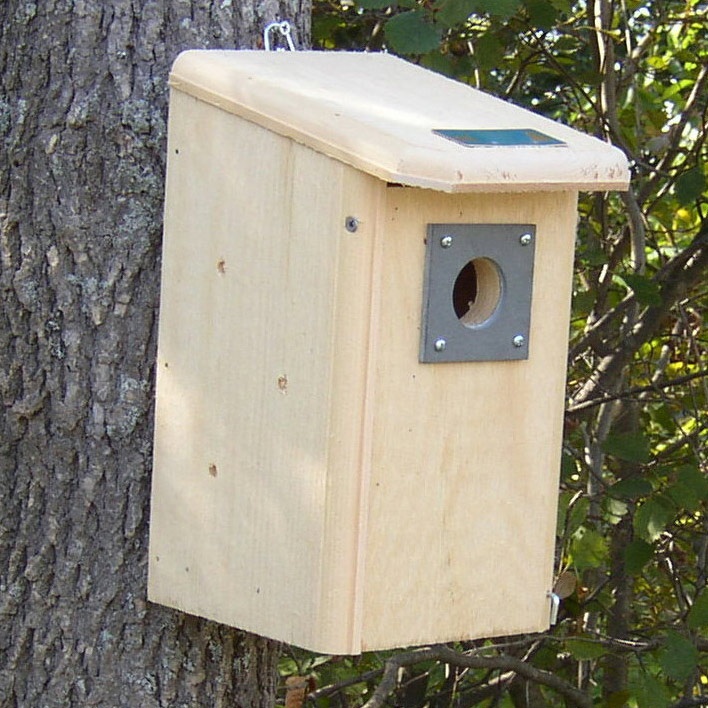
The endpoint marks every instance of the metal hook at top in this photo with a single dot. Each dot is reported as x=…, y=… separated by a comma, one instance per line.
x=285, y=31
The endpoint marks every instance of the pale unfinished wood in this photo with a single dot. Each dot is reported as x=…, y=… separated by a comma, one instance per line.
x=263, y=356
x=464, y=473
x=377, y=112
x=313, y=482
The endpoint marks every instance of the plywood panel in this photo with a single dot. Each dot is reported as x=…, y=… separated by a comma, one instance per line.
x=377, y=113
x=465, y=463
x=264, y=325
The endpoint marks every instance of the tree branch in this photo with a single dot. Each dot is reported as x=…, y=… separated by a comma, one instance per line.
x=678, y=381
x=499, y=663
x=676, y=133
x=670, y=271
x=675, y=286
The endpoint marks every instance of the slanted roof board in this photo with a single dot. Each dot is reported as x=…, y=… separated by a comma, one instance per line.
x=378, y=113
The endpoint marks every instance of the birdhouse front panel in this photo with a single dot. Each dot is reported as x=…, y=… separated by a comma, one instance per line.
x=465, y=456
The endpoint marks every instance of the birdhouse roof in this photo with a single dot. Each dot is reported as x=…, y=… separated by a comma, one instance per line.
x=400, y=122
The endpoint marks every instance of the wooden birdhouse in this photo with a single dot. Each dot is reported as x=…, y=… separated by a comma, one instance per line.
x=362, y=352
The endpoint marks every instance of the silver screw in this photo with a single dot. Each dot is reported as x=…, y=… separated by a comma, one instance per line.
x=351, y=224
x=446, y=241
x=440, y=345
x=525, y=239
x=518, y=340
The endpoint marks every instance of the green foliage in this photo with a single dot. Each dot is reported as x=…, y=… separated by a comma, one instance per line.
x=632, y=447
x=588, y=549
x=412, y=33
x=584, y=649
x=454, y=12
x=648, y=691
x=652, y=517
x=690, y=185
x=678, y=657
x=698, y=615
x=633, y=503
x=636, y=555
x=645, y=289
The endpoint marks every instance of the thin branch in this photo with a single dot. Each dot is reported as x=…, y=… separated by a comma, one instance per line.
x=688, y=702
x=673, y=290
x=678, y=381
x=335, y=688
x=637, y=230
x=670, y=271
x=691, y=107
x=499, y=663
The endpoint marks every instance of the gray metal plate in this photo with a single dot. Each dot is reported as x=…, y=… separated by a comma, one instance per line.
x=502, y=333
x=501, y=137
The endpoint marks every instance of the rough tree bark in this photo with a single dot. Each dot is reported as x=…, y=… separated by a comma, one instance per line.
x=83, y=97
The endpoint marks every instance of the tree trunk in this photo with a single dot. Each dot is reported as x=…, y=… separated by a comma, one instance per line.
x=83, y=99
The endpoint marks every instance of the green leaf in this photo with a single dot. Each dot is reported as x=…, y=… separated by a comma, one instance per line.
x=569, y=466
x=411, y=33
x=454, y=12
x=563, y=501
x=637, y=554
x=498, y=8
x=698, y=614
x=488, y=51
x=542, y=13
x=689, y=490
x=652, y=517
x=663, y=416
x=442, y=63
x=583, y=649
x=650, y=692
x=577, y=514
x=615, y=509
x=588, y=549
x=694, y=479
x=562, y=5
x=593, y=257
x=645, y=289
x=583, y=301
x=632, y=447
x=630, y=488
x=375, y=4
x=690, y=185
x=679, y=657
x=658, y=62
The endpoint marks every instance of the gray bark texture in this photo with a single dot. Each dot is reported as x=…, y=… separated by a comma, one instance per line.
x=83, y=103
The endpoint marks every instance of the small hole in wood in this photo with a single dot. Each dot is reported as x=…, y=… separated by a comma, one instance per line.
x=212, y=470
x=477, y=292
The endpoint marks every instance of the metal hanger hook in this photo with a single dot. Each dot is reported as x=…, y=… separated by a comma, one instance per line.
x=285, y=30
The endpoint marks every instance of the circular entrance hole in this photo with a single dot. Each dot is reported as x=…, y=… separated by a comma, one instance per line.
x=477, y=292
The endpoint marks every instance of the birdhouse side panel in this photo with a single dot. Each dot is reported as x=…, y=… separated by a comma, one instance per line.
x=240, y=529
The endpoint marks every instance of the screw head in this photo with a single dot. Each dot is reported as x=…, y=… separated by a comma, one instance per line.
x=446, y=241
x=525, y=239
x=351, y=224
x=440, y=345
x=519, y=340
